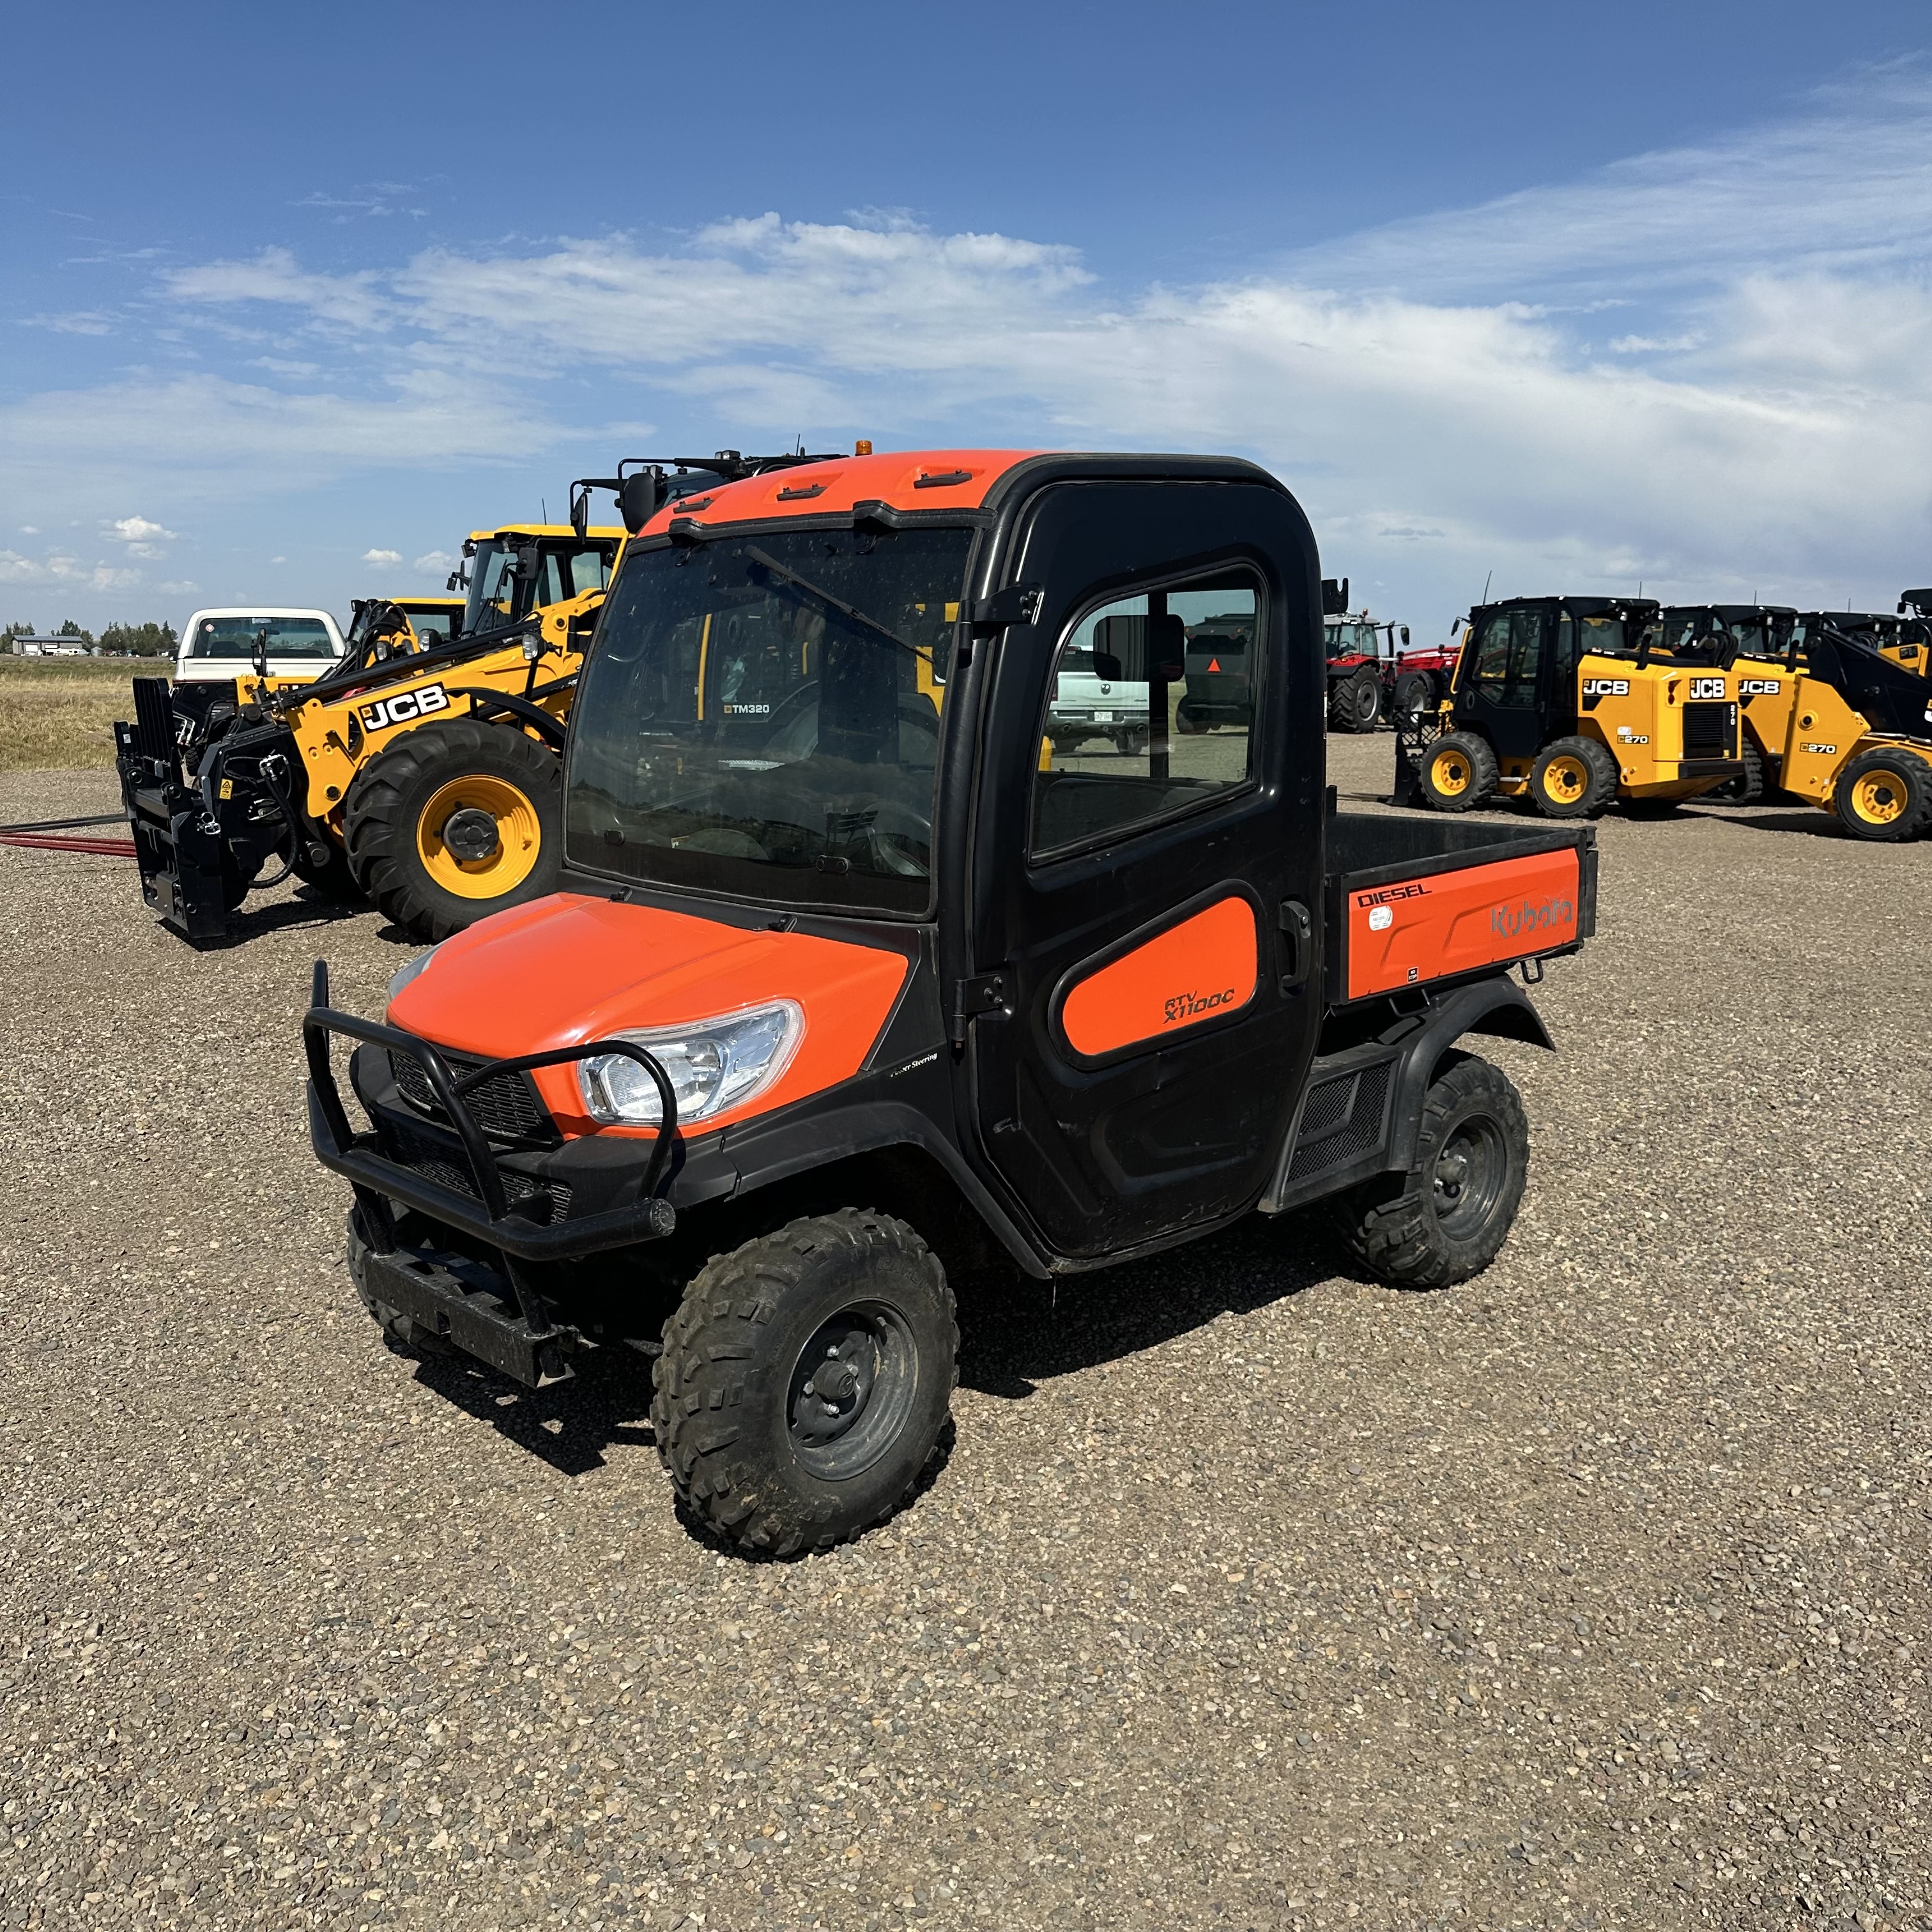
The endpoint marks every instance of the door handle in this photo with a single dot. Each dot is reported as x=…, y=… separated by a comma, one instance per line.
x=1297, y=946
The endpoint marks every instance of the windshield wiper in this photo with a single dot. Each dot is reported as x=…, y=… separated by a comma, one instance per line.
x=766, y=561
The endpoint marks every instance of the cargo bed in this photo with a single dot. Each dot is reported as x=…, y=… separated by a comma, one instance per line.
x=1425, y=902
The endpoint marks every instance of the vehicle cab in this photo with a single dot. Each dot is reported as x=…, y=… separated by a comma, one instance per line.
x=221, y=644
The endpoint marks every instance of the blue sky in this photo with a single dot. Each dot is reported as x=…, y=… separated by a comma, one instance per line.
x=1571, y=298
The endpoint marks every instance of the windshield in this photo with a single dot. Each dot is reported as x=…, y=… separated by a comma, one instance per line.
x=236, y=636
x=434, y=623
x=761, y=717
x=508, y=579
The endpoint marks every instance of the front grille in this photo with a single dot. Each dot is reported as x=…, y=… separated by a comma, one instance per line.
x=545, y=1202
x=1342, y=1118
x=506, y=1108
x=1710, y=730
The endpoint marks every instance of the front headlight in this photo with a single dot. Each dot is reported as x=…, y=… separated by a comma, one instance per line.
x=712, y=1065
x=405, y=973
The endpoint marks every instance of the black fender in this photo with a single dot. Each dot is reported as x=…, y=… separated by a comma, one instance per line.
x=762, y=1154
x=1359, y=1112
x=1495, y=1005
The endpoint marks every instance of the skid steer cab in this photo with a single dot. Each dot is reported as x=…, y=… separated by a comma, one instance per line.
x=1563, y=701
x=847, y=990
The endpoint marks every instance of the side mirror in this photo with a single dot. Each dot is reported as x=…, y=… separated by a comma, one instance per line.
x=1108, y=666
x=1405, y=636
x=1334, y=596
x=639, y=498
x=580, y=514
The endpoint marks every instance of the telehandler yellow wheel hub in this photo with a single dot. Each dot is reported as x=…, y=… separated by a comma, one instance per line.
x=1566, y=778
x=1880, y=797
x=1449, y=772
x=478, y=836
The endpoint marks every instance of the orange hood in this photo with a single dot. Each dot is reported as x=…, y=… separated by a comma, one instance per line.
x=562, y=970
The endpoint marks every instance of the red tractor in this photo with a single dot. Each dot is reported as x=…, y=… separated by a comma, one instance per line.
x=1373, y=672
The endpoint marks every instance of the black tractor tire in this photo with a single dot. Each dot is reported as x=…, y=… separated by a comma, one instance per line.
x=1573, y=778
x=1459, y=773
x=1747, y=790
x=406, y=1336
x=758, y=1451
x=454, y=766
x=1131, y=744
x=1186, y=722
x=1415, y=697
x=332, y=878
x=1355, y=702
x=1447, y=1218
x=1884, y=795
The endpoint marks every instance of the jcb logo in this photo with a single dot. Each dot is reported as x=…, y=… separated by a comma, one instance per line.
x=1606, y=687
x=1759, y=687
x=1707, y=687
x=405, y=708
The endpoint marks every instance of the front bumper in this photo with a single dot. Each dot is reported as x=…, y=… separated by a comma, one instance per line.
x=502, y=1201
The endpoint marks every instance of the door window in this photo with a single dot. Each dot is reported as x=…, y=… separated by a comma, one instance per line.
x=1507, y=658
x=1149, y=711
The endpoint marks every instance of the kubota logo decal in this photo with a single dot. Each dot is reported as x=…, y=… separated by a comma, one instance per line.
x=1513, y=920
x=405, y=708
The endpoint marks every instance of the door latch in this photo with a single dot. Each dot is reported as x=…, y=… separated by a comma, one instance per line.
x=1298, y=933
x=986, y=993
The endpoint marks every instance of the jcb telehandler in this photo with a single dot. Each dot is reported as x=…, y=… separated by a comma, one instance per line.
x=845, y=990
x=421, y=775
x=1559, y=700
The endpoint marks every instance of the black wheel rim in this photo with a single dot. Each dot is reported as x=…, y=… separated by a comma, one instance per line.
x=851, y=1390
x=1470, y=1171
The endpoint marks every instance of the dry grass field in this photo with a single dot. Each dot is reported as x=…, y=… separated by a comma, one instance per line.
x=58, y=713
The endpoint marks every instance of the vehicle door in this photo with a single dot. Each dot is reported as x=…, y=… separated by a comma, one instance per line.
x=1146, y=907
x=1500, y=694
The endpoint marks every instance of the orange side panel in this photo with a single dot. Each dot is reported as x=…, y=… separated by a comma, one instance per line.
x=924, y=479
x=1203, y=969
x=1449, y=923
x=567, y=969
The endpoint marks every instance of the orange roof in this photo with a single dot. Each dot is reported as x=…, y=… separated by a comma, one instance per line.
x=921, y=479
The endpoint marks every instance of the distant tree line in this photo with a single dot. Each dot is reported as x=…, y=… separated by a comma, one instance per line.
x=140, y=641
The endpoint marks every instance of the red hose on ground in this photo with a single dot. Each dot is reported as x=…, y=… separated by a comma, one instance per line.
x=107, y=848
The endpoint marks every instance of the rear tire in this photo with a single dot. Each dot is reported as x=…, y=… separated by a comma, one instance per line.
x=1459, y=773
x=1355, y=704
x=1884, y=795
x=500, y=783
x=1447, y=1217
x=1748, y=789
x=1415, y=697
x=1573, y=778
x=760, y=1451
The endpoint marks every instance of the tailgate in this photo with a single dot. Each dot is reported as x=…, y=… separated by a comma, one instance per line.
x=1432, y=918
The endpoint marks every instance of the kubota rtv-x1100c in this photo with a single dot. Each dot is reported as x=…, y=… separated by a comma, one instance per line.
x=847, y=988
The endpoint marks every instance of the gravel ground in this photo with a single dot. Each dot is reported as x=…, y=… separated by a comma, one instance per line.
x=1591, y=1593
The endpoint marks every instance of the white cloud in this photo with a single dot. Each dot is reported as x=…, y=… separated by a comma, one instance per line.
x=383, y=556
x=180, y=587
x=78, y=322
x=435, y=563
x=1443, y=393
x=62, y=571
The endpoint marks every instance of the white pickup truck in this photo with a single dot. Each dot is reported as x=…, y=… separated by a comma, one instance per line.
x=219, y=644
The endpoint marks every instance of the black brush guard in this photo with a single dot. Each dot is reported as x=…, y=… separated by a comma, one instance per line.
x=515, y=1332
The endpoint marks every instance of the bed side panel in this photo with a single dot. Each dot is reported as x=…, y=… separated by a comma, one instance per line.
x=1437, y=925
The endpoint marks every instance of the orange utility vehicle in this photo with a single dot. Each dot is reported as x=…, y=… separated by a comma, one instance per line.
x=847, y=990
